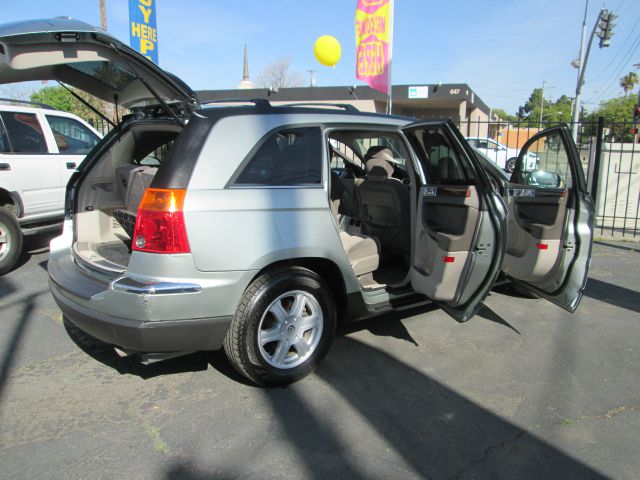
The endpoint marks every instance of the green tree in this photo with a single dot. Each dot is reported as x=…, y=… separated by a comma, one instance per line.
x=629, y=81
x=558, y=111
x=618, y=117
x=60, y=99
x=503, y=115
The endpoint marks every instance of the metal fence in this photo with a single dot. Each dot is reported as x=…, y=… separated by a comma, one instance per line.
x=610, y=157
x=100, y=125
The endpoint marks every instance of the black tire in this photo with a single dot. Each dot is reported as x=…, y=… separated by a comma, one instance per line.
x=244, y=345
x=510, y=165
x=10, y=241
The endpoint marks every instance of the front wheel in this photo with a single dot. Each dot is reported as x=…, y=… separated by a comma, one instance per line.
x=283, y=327
x=10, y=241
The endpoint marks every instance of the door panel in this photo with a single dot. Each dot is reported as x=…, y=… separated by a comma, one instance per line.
x=448, y=219
x=548, y=207
x=535, y=230
x=458, y=231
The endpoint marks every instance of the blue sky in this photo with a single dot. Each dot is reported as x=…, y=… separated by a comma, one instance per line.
x=502, y=49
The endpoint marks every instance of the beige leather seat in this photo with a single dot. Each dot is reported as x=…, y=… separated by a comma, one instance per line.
x=132, y=180
x=385, y=205
x=363, y=252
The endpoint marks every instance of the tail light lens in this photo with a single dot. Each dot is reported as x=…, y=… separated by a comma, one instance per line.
x=160, y=224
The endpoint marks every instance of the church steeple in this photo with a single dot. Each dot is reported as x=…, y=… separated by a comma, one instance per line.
x=245, y=83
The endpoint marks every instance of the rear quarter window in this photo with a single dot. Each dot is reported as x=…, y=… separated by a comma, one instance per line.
x=287, y=157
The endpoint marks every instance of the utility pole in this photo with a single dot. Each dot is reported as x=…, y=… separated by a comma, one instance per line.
x=541, y=105
x=605, y=23
x=103, y=14
x=576, y=101
x=312, y=79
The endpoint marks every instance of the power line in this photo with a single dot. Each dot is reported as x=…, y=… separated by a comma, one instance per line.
x=502, y=96
x=621, y=66
x=615, y=57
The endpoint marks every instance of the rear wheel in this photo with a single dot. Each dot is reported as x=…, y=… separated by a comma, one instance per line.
x=10, y=241
x=283, y=327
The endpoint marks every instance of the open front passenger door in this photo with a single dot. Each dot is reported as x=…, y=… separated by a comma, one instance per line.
x=550, y=228
x=459, y=225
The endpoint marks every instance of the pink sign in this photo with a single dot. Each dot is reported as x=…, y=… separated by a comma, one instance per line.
x=373, y=42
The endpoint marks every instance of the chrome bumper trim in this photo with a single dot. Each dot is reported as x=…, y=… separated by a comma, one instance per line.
x=129, y=285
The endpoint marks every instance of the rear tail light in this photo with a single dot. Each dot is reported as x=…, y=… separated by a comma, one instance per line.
x=160, y=224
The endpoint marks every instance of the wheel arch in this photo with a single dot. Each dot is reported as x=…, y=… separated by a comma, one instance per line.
x=323, y=267
x=13, y=199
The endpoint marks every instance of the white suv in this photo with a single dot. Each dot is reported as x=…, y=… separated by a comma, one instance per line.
x=39, y=150
x=505, y=157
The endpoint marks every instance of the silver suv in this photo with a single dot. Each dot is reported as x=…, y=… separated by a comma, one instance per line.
x=257, y=228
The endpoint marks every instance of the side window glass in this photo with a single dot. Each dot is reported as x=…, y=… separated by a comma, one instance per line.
x=24, y=132
x=545, y=163
x=442, y=163
x=71, y=136
x=288, y=157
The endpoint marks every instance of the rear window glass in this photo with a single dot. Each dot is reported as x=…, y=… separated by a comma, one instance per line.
x=24, y=132
x=287, y=157
x=106, y=72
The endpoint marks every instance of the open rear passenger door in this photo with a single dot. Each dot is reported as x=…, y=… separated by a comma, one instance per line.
x=459, y=223
x=550, y=228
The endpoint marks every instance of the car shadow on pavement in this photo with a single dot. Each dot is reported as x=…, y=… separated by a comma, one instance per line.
x=131, y=365
x=387, y=324
x=35, y=244
x=410, y=425
x=488, y=314
x=11, y=349
x=613, y=294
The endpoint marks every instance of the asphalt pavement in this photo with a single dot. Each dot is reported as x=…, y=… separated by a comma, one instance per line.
x=523, y=390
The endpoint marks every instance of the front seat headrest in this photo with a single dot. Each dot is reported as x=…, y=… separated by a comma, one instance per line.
x=379, y=169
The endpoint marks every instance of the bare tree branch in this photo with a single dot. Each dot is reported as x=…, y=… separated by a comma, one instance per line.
x=277, y=75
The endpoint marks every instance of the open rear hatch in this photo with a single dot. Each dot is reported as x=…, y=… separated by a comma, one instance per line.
x=87, y=58
x=112, y=180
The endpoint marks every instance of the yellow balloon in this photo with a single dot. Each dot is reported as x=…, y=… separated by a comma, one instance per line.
x=327, y=50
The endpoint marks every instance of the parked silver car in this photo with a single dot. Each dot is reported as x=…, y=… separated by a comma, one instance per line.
x=256, y=228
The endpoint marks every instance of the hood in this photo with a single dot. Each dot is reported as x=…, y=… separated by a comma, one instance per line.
x=87, y=58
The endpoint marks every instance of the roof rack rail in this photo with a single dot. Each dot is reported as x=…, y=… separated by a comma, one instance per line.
x=27, y=102
x=345, y=106
x=258, y=102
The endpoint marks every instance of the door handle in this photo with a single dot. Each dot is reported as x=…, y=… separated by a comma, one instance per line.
x=5, y=166
x=71, y=165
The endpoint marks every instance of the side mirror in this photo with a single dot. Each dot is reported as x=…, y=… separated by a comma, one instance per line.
x=542, y=178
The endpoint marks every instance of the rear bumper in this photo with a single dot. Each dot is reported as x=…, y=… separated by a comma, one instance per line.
x=141, y=336
x=166, y=307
